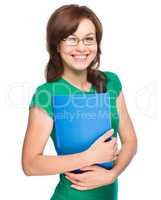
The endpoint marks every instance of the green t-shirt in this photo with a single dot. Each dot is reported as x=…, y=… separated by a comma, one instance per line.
x=42, y=98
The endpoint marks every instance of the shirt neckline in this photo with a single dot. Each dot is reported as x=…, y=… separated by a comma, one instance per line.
x=73, y=86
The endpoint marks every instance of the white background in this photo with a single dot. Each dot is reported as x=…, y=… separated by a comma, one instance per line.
x=131, y=47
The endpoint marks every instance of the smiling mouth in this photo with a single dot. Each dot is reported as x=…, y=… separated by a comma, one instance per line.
x=80, y=57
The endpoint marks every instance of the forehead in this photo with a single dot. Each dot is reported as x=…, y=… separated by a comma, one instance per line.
x=85, y=27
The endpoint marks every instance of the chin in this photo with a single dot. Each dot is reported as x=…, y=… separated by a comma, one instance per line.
x=80, y=67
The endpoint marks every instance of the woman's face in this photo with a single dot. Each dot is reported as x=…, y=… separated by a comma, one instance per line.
x=75, y=54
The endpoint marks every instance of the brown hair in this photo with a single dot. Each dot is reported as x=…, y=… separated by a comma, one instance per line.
x=62, y=23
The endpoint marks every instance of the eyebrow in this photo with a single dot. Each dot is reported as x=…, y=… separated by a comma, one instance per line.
x=90, y=34
x=86, y=34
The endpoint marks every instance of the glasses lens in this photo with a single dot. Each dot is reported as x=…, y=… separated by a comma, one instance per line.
x=89, y=40
x=71, y=41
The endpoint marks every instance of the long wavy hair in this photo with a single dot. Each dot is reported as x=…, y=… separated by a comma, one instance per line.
x=62, y=23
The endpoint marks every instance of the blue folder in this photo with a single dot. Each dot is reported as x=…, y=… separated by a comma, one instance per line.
x=79, y=120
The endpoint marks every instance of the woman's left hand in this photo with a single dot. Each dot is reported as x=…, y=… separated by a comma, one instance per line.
x=94, y=177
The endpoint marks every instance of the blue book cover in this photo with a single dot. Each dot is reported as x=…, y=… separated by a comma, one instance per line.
x=79, y=121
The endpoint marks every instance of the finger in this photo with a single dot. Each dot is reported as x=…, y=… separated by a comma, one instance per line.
x=106, y=136
x=115, y=148
x=79, y=187
x=73, y=176
x=113, y=142
x=80, y=183
x=115, y=157
x=86, y=168
x=77, y=182
x=92, y=167
x=114, y=139
x=117, y=153
x=83, y=187
x=68, y=173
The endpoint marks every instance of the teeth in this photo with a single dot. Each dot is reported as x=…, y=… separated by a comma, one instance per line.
x=80, y=57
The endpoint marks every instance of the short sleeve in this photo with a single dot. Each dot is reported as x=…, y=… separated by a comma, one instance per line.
x=42, y=99
x=113, y=82
x=117, y=84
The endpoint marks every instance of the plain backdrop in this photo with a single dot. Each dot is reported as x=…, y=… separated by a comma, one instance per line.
x=131, y=47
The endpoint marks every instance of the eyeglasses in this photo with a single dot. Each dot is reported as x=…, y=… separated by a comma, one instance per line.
x=73, y=41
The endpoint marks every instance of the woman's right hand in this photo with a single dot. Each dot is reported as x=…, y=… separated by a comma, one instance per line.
x=101, y=151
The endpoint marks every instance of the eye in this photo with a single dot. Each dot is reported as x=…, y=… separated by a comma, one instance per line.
x=72, y=39
x=89, y=38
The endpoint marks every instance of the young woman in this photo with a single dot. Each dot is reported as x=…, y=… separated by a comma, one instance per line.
x=73, y=40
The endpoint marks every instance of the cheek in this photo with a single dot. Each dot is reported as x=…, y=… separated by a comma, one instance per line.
x=65, y=50
x=94, y=51
x=64, y=54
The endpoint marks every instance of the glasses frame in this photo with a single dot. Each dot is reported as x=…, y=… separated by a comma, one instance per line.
x=78, y=40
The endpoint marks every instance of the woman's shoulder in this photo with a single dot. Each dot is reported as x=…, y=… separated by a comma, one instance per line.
x=113, y=81
x=42, y=97
x=43, y=86
x=50, y=85
x=111, y=75
x=47, y=86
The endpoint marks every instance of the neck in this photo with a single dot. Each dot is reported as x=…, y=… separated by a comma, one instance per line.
x=78, y=78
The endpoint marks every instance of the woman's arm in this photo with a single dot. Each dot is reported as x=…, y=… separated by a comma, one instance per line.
x=127, y=136
x=98, y=176
x=33, y=161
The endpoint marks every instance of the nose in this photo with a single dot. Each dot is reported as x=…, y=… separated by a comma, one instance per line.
x=80, y=46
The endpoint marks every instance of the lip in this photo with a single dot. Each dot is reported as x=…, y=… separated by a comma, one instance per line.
x=80, y=57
